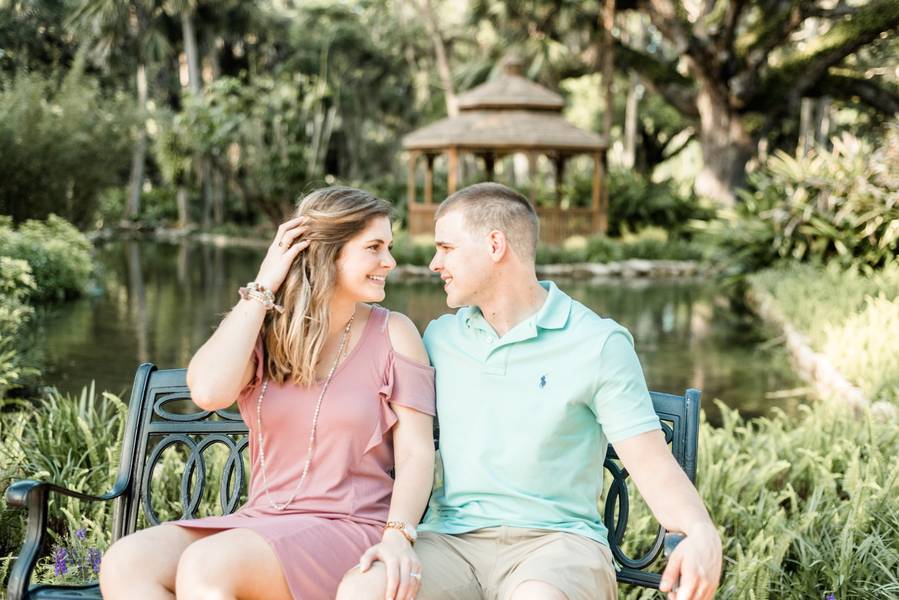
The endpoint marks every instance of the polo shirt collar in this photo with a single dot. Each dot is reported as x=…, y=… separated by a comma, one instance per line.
x=552, y=315
x=555, y=310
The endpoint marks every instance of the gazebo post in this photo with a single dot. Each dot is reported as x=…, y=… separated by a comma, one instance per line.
x=410, y=179
x=429, y=179
x=600, y=221
x=560, y=161
x=453, y=171
x=489, y=165
x=532, y=176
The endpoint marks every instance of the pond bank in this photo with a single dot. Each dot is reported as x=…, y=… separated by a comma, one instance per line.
x=814, y=367
x=840, y=325
x=634, y=268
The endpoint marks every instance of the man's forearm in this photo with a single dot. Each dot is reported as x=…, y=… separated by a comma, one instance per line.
x=665, y=487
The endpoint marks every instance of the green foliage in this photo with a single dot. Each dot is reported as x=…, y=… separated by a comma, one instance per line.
x=269, y=137
x=651, y=243
x=16, y=285
x=636, y=202
x=851, y=317
x=407, y=251
x=58, y=254
x=804, y=506
x=68, y=440
x=841, y=205
x=62, y=144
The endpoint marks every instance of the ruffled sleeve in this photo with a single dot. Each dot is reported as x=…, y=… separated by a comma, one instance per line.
x=406, y=383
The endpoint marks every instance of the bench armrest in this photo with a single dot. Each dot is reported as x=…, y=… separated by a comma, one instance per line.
x=17, y=494
x=33, y=496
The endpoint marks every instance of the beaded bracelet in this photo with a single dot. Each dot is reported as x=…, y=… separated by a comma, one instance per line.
x=256, y=291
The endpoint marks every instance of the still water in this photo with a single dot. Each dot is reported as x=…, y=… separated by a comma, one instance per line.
x=158, y=302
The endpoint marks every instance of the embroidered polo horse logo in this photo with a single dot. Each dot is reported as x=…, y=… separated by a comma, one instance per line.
x=542, y=383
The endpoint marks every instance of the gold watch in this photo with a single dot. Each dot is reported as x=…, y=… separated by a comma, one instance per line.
x=407, y=530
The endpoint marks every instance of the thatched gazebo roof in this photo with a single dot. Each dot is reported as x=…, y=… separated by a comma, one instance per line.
x=510, y=130
x=507, y=115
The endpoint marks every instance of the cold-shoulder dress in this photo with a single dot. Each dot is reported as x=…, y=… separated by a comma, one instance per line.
x=341, y=508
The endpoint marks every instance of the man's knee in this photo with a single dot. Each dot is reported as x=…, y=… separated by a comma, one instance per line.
x=537, y=590
x=357, y=585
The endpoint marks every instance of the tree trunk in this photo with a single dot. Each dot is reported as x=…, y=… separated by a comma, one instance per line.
x=630, y=122
x=726, y=148
x=183, y=208
x=634, y=91
x=194, y=83
x=608, y=82
x=214, y=45
x=822, y=116
x=139, y=153
x=443, y=69
x=806, y=128
x=190, y=51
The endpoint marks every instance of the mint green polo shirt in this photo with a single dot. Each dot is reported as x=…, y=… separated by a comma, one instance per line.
x=525, y=419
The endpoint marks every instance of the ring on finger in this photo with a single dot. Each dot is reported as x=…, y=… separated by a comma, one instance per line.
x=415, y=575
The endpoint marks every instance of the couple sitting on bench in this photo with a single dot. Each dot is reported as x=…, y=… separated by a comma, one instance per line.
x=339, y=399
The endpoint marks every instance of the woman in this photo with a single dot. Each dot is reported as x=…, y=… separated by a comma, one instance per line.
x=336, y=393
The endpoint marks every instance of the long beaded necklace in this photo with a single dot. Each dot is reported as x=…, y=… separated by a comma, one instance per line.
x=311, y=447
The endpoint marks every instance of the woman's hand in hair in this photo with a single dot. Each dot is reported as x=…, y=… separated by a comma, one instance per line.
x=282, y=252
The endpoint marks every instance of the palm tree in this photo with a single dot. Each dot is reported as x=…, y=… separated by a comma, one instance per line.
x=131, y=29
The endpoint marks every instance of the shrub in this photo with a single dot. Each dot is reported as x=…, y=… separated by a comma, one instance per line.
x=805, y=506
x=68, y=440
x=841, y=205
x=636, y=202
x=58, y=254
x=851, y=317
x=651, y=244
x=62, y=144
x=16, y=284
x=408, y=251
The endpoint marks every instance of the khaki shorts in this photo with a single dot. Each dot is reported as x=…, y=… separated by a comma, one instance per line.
x=490, y=563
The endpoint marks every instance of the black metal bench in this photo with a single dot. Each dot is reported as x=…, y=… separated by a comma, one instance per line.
x=160, y=416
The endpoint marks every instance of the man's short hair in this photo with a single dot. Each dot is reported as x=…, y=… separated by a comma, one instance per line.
x=488, y=206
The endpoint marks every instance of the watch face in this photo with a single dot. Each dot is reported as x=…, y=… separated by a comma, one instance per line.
x=411, y=532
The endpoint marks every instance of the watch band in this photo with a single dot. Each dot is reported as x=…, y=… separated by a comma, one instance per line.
x=403, y=528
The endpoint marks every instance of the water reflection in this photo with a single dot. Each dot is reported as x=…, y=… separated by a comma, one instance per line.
x=158, y=302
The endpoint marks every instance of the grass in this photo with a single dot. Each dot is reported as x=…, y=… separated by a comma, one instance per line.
x=850, y=316
x=805, y=506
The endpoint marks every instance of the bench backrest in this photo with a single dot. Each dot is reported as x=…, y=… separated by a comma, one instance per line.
x=161, y=417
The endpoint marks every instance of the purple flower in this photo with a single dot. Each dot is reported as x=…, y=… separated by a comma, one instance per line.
x=831, y=596
x=81, y=533
x=93, y=555
x=60, y=567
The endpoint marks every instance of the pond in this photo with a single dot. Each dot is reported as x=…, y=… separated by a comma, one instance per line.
x=158, y=302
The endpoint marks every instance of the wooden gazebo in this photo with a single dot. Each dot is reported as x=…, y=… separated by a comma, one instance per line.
x=509, y=114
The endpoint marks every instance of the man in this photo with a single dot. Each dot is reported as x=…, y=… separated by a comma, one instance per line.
x=531, y=387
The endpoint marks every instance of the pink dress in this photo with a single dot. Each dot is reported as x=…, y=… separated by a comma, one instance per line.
x=341, y=509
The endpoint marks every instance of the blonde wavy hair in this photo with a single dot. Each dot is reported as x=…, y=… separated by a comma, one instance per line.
x=294, y=339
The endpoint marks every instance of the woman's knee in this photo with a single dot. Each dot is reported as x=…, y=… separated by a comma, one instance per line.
x=199, y=574
x=146, y=558
x=230, y=564
x=125, y=561
x=363, y=586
